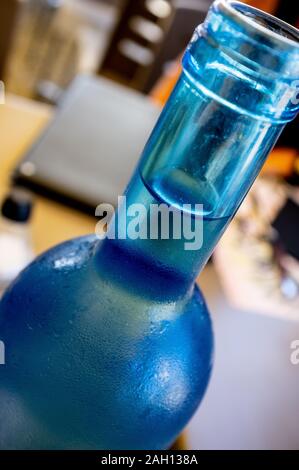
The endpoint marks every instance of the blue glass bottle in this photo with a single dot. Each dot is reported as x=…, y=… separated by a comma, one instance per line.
x=109, y=343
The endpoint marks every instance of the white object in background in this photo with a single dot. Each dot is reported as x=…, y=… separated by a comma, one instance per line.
x=16, y=250
x=250, y=274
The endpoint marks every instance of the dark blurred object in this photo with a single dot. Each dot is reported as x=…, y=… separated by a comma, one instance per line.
x=8, y=15
x=289, y=136
x=186, y=16
x=91, y=147
x=17, y=206
x=149, y=34
x=287, y=226
x=288, y=11
x=136, y=41
x=293, y=178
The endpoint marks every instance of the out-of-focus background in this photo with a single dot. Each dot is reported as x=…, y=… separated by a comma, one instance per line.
x=95, y=74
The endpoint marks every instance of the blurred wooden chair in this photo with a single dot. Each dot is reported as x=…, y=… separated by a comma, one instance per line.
x=135, y=41
x=149, y=34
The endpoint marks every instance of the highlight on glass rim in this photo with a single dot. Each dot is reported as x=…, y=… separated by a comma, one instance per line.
x=149, y=248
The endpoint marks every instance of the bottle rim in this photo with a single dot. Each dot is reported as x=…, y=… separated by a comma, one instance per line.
x=251, y=18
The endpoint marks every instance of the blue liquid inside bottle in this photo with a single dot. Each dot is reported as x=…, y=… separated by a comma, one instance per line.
x=109, y=342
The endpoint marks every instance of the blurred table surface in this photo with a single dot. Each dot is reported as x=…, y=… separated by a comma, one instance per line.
x=252, y=401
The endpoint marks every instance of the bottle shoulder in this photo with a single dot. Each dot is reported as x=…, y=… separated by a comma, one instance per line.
x=71, y=275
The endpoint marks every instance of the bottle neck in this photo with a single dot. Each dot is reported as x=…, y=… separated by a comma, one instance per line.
x=202, y=157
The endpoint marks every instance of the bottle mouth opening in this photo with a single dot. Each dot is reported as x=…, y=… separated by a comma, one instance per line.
x=268, y=25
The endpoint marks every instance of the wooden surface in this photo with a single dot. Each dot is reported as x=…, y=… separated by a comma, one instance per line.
x=21, y=121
